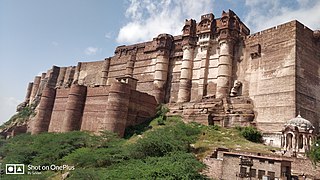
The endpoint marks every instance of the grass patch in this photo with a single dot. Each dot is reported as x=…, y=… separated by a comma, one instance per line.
x=213, y=137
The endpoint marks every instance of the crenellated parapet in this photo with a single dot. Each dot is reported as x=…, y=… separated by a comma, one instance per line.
x=207, y=24
x=189, y=33
x=230, y=26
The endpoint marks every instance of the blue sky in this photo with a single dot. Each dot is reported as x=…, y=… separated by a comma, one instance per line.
x=36, y=34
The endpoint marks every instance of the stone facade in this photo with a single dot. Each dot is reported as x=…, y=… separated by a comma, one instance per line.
x=215, y=72
x=222, y=164
x=94, y=109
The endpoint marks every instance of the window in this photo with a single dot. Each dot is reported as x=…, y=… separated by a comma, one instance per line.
x=243, y=170
x=261, y=173
x=271, y=143
x=300, y=144
x=253, y=172
x=272, y=175
x=271, y=162
x=261, y=160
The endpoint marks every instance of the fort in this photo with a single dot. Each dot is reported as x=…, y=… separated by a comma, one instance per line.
x=215, y=72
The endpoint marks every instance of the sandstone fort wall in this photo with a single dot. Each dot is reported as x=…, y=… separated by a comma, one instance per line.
x=263, y=79
x=269, y=75
x=308, y=74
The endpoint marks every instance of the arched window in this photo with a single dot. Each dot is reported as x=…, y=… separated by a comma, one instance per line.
x=300, y=140
x=289, y=140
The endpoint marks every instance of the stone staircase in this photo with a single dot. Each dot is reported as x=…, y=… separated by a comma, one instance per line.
x=235, y=111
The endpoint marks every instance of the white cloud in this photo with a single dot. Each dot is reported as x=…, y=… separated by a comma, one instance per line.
x=7, y=108
x=148, y=18
x=91, y=50
x=265, y=14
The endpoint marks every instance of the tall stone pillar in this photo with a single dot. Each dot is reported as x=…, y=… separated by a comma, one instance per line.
x=160, y=77
x=225, y=68
x=28, y=94
x=53, y=76
x=69, y=77
x=105, y=71
x=164, y=43
x=77, y=73
x=186, y=74
x=117, y=108
x=43, y=117
x=205, y=32
x=43, y=84
x=130, y=65
x=74, y=108
x=35, y=88
x=203, y=78
x=61, y=77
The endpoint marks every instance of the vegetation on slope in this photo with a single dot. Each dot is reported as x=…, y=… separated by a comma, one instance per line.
x=19, y=118
x=162, y=152
x=232, y=138
x=164, y=148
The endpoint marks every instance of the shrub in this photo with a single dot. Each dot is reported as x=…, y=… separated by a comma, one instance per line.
x=162, y=110
x=137, y=129
x=46, y=148
x=177, y=165
x=250, y=133
x=165, y=140
x=314, y=153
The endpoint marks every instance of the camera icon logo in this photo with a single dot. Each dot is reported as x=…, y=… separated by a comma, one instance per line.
x=14, y=168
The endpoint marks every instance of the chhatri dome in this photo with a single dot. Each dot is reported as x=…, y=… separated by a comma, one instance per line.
x=300, y=122
x=297, y=136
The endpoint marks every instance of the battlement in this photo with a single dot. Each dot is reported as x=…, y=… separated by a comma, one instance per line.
x=286, y=26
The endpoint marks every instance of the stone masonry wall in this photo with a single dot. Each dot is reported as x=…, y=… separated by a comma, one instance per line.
x=90, y=109
x=95, y=107
x=90, y=73
x=58, y=110
x=268, y=75
x=308, y=75
x=277, y=71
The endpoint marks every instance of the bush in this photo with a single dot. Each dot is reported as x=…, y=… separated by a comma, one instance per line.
x=137, y=129
x=176, y=165
x=162, y=110
x=113, y=151
x=314, y=153
x=250, y=133
x=161, y=153
x=165, y=140
x=46, y=148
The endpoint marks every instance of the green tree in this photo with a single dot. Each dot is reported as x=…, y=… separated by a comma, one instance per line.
x=314, y=153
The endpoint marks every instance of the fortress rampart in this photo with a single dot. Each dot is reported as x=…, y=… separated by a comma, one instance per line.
x=215, y=72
